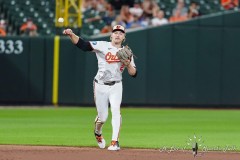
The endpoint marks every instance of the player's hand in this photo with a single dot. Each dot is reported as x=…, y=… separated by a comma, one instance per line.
x=126, y=62
x=68, y=32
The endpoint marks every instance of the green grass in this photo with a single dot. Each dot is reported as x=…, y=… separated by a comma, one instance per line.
x=141, y=128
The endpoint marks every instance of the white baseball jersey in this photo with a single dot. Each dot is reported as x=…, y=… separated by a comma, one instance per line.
x=109, y=66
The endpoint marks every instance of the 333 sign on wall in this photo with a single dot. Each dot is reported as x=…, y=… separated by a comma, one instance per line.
x=11, y=47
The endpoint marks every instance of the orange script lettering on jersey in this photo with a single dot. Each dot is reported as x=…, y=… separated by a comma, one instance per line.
x=110, y=58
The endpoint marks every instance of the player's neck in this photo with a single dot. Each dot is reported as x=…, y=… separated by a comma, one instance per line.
x=117, y=45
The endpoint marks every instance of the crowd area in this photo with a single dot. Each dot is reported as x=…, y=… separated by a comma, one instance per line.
x=28, y=28
x=128, y=13
x=137, y=13
x=132, y=14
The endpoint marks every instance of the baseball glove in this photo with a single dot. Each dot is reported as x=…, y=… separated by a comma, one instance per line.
x=125, y=55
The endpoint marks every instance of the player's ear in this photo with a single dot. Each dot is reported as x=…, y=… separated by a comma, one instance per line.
x=111, y=38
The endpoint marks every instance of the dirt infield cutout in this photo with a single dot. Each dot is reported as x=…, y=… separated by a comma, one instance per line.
x=20, y=152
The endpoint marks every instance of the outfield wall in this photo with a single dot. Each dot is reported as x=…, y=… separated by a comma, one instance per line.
x=190, y=63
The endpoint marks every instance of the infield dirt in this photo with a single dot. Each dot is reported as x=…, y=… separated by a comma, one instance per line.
x=19, y=152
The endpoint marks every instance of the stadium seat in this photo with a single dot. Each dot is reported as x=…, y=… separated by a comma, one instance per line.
x=43, y=12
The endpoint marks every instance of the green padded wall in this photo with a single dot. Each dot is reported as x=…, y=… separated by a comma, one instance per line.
x=187, y=64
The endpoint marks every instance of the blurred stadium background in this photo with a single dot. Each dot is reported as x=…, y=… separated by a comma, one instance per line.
x=189, y=54
x=91, y=16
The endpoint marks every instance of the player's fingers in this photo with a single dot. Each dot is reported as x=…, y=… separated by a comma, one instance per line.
x=67, y=31
x=126, y=62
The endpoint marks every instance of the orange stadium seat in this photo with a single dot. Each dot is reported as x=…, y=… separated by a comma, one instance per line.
x=42, y=13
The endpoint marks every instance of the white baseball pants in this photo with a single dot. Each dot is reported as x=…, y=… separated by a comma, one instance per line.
x=103, y=95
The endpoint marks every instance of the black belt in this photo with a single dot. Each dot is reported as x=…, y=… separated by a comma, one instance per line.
x=108, y=83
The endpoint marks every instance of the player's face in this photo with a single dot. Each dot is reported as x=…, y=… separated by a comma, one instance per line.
x=118, y=36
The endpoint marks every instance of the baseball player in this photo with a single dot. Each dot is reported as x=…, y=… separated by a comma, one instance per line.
x=107, y=83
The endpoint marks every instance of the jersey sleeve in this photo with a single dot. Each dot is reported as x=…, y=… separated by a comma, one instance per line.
x=97, y=45
x=132, y=62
